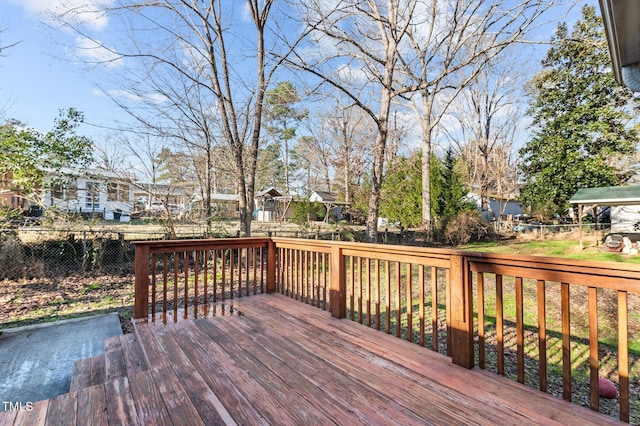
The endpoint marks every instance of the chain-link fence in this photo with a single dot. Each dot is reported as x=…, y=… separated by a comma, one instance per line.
x=31, y=252
x=46, y=253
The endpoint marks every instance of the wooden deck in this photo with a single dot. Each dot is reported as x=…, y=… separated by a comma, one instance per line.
x=286, y=363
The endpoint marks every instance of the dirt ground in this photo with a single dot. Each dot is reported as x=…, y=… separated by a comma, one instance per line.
x=39, y=300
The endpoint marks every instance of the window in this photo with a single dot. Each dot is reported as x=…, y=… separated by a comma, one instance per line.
x=112, y=191
x=92, y=200
x=57, y=191
x=71, y=191
x=117, y=192
x=65, y=192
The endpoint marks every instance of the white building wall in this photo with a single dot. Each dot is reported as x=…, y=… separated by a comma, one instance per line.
x=623, y=218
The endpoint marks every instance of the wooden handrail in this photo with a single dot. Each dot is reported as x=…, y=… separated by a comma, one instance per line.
x=399, y=289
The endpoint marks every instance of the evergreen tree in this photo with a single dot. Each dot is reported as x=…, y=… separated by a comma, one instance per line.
x=451, y=191
x=282, y=117
x=401, y=196
x=402, y=189
x=581, y=117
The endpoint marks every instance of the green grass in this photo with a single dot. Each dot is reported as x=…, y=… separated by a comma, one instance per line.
x=561, y=248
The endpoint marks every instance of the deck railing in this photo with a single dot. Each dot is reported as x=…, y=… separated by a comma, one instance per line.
x=183, y=277
x=508, y=313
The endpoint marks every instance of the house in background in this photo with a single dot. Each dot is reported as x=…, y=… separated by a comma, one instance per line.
x=11, y=196
x=499, y=208
x=90, y=193
x=623, y=200
x=267, y=205
x=150, y=196
x=224, y=206
x=333, y=207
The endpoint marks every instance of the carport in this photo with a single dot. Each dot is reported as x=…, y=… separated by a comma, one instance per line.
x=604, y=196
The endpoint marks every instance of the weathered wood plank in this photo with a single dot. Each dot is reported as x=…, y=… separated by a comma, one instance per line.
x=315, y=379
x=114, y=365
x=211, y=409
x=179, y=406
x=386, y=379
x=246, y=401
x=133, y=358
x=297, y=379
x=37, y=416
x=121, y=409
x=487, y=389
x=81, y=374
x=151, y=353
x=220, y=380
x=62, y=410
x=97, y=376
x=92, y=406
x=8, y=417
x=150, y=406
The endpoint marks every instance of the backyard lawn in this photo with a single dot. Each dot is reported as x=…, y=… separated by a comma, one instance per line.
x=569, y=248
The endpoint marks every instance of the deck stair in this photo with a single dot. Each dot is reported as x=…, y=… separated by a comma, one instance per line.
x=122, y=356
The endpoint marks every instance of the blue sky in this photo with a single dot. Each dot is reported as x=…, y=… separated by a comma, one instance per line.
x=35, y=79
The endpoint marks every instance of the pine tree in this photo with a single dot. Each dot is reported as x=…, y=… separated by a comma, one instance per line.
x=581, y=117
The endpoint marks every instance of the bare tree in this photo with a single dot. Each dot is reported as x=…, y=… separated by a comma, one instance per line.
x=347, y=134
x=111, y=155
x=197, y=72
x=488, y=113
x=448, y=46
x=4, y=45
x=360, y=42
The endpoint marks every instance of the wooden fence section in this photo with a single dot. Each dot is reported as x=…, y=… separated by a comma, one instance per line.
x=186, y=276
x=570, y=281
x=471, y=306
x=303, y=271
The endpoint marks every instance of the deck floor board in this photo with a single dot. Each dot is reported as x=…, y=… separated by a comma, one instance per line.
x=280, y=361
x=134, y=362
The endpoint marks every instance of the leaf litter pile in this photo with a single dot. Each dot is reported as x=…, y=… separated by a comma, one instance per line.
x=39, y=300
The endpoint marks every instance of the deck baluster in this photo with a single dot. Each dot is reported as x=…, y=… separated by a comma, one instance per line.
x=542, y=336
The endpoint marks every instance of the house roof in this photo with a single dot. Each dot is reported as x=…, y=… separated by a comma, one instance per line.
x=621, y=21
x=271, y=191
x=608, y=196
x=323, y=196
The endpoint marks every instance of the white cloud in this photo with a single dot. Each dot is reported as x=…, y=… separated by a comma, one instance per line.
x=155, y=98
x=94, y=52
x=87, y=12
x=353, y=75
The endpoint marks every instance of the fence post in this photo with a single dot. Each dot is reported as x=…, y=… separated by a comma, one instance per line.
x=271, y=267
x=338, y=288
x=141, y=299
x=460, y=303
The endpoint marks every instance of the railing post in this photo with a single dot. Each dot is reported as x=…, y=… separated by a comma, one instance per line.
x=338, y=289
x=460, y=306
x=141, y=299
x=271, y=267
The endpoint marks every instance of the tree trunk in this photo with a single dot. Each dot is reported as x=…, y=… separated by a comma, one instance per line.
x=425, y=124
